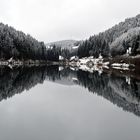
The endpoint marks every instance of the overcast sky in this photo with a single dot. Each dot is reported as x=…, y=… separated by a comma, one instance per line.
x=52, y=20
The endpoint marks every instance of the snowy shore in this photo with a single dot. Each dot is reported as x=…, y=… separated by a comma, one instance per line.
x=98, y=64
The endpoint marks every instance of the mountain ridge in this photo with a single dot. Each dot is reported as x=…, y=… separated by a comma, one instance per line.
x=100, y=43
x=67, y=44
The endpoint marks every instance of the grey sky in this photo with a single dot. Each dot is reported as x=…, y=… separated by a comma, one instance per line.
x=51, y=20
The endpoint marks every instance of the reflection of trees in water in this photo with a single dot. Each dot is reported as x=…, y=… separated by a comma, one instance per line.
x=111, y=87
x=52, y=73
x=19, y=79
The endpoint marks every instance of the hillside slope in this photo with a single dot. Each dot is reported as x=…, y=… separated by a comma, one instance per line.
x=65, y=44
x=101, y=43
x=18, y=45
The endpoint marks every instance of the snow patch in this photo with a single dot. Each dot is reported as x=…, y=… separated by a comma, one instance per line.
x=75, y=47
x=61, y=68
x=61, y=57
x=123, y=65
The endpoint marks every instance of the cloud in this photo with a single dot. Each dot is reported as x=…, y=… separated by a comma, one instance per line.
x=50, y=20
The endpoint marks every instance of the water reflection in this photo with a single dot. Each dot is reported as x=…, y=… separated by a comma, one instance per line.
x=122, y=90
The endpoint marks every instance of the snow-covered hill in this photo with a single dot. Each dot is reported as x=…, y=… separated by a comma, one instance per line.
x=114, y=41
x=65, y=44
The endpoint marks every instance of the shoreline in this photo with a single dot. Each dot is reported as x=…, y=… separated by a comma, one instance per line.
x=120, y=62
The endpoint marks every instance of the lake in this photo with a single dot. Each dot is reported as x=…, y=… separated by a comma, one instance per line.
x=57, y=103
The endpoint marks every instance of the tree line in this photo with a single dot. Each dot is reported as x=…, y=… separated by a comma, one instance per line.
x=20, y=46
x=113, y=42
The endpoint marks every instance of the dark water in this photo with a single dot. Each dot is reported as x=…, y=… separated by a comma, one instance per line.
x=49, y=103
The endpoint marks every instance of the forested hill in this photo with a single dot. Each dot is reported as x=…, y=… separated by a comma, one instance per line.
x=65, y=44
x=114, y=41
x=18, y=45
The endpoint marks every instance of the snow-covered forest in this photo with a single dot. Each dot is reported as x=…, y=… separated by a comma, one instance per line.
x=18, y=45
x=114, y=41
x=121, y=40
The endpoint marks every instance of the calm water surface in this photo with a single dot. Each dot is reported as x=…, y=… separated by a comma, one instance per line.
x=68, y=105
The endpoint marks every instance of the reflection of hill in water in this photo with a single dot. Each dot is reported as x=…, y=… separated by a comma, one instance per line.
x=18, y=80
x=114, y=88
